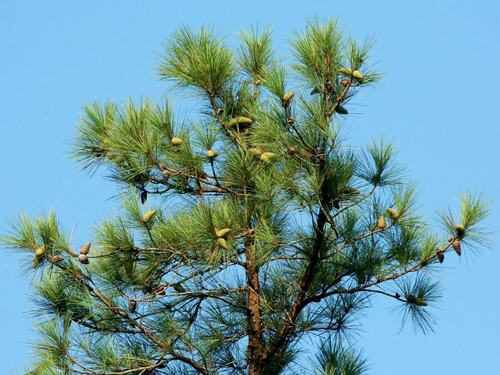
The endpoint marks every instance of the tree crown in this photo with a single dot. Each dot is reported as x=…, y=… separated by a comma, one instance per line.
x=267, y=227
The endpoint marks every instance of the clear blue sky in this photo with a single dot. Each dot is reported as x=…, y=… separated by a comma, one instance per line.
x=439, y=101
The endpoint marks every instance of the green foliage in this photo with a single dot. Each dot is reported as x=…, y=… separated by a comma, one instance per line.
x=275, y=79
x=333, y=359
x=378, y=166
x=53, y=346
x=197, y=60
x=473, y=210
x=419, y=293
x=225, y=262
x=61, y=297
x=256, y=53
x=318, y=52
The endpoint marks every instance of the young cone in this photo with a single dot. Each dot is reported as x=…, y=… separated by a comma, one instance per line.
x=211, y=154
x=255, y=151
x=345, y=71
x=223, y=243
x=267, y=157
x=176, y=141
x=222, y=232
x=358, y=75
x=393, y=214
x=287, y=98
x=40, y=251
x=241, y=120
x=148, y=216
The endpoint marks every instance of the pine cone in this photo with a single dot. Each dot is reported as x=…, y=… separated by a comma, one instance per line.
x=344, y=82
x=211, y=154
x=345, y=71
x=393, y=214
x=148, y=216
x=83, y=259
x=176, y=141
x=85, y=248
x=358, y=75
x=381, y=222
x=267, y=157
x=223, y=243
x=40, y=251
x=222, y=232
x=144, y=196
x=457, y=247
x=255, y=151
x=341, y=110
x=132, y=305
x=287, y=98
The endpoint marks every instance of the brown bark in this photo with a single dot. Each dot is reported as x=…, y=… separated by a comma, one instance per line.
x=256, y=348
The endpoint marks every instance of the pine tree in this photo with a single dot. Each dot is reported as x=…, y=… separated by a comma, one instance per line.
x=245, y=229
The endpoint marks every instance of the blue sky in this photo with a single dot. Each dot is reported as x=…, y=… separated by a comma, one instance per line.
x=438, y=102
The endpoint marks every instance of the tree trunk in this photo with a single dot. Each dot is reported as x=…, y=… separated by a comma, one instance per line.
x=256, y=349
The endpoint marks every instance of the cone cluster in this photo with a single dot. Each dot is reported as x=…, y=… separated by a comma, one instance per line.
x=356, y=74
x=240, y=120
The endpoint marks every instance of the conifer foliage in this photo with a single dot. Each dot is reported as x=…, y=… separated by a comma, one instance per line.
x=246, y=228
